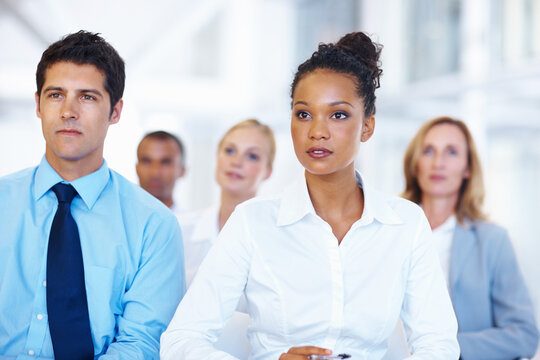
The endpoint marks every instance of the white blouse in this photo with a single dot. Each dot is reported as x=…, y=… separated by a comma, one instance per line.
x=443, y=236
x=304, y=289
x=199, y=232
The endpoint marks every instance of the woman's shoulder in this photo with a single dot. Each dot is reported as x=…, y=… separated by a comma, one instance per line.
x=403, y=208
x=260, y=203
x=486, y=230
x=494, y=243
x=491, y=238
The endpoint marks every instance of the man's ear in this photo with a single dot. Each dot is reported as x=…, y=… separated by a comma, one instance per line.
x=38, y=111
x=116, y=111
x=137, y=169
x=368, y=127
x=181, y=172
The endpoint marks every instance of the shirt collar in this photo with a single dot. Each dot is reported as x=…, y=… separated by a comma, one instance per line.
x=377, y=205
x=296, y=203
x=88, y=187
x=446, y=227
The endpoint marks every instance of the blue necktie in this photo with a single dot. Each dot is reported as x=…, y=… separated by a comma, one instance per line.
x=67, y=306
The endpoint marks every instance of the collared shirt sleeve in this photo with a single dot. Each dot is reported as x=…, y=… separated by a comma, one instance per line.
x=149, y=302
x=212, y=297
x=427, y=312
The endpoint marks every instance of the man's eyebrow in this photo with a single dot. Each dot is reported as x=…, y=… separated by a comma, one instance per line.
x=59, y=88
x=92, y=91
x=53, y=88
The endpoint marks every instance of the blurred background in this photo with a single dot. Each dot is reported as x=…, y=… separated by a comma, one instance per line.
x=196, y=67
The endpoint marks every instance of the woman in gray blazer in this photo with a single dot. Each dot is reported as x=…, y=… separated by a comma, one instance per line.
x=443, y=175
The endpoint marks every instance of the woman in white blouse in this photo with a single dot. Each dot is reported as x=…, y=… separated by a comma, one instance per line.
x=329, y=266
x=244, y=160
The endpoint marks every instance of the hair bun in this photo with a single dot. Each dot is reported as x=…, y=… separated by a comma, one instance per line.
x=364, y=50
x=354, y=54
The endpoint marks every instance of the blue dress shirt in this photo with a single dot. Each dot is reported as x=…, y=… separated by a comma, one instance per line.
x=132, y=252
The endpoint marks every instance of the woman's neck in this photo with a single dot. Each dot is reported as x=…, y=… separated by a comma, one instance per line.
x=228, y=204
x=337, y=199
x=438, y=209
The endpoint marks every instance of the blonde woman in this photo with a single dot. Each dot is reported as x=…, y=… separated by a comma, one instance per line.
x=244, y=160
x=492, y=305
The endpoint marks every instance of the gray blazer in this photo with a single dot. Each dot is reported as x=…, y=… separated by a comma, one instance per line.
x=494, y=312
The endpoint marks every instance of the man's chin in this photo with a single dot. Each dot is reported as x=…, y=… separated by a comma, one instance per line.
x=155, y=192
x=68, y=156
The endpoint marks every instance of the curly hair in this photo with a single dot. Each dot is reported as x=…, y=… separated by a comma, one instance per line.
x=355, y=55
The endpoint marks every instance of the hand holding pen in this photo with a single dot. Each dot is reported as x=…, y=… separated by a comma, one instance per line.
x=312, y=353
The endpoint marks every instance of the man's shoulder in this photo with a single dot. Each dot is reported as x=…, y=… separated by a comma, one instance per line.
x=134, y=197
x=16, y=182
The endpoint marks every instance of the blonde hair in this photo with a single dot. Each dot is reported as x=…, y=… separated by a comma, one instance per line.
x=471, y=193
x=264, y=129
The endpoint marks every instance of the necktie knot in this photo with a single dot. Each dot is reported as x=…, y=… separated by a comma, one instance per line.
x=64, y=192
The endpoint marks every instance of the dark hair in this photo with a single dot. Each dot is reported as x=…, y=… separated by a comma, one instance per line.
x=164, y=136
x=355, y=55
x=84, y=47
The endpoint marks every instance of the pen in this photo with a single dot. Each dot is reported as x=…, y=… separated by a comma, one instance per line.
x=322, y=357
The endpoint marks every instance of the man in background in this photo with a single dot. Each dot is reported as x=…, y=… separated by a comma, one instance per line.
x=160, y=162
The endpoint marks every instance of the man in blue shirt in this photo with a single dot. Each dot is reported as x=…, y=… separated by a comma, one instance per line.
x=130, y=242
